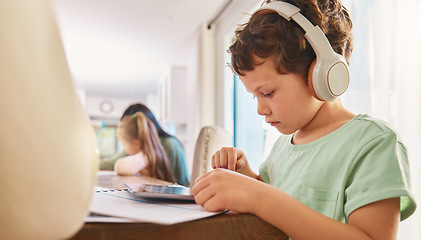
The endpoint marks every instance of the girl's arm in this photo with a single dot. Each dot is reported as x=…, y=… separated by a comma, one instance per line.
x=221, y=189
x=130, y=165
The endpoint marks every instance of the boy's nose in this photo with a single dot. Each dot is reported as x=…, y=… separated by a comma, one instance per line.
x=262, y=108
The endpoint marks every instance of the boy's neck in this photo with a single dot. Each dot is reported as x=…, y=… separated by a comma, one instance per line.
x=330, y=117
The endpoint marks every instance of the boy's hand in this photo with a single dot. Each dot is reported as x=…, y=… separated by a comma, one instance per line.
x=220, y=189
x=232, y=159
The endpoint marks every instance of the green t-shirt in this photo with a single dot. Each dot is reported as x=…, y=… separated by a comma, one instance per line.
x=362, y=162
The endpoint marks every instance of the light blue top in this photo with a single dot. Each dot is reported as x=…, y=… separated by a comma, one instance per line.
x=362, y=162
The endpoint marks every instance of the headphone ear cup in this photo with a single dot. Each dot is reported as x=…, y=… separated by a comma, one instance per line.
x=310, y=80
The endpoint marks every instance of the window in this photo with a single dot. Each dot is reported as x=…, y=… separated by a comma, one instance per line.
x=249, y=133
x=107, y=141
x=106, y=132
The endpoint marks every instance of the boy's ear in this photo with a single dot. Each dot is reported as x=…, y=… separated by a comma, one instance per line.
x=310, y=80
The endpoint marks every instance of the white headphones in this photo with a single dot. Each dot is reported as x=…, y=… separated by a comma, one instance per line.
x=329, y=74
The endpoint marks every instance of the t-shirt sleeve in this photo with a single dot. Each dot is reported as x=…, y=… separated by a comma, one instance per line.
x=108, y=162
x=380, y=171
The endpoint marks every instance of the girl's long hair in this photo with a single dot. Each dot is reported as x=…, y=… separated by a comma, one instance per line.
x=138, y=126
x=138, y=107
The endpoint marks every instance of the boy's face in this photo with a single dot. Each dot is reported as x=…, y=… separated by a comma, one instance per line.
x=284, y=99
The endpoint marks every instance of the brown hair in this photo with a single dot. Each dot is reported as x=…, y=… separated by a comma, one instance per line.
x=268, y=35
x=138, y=126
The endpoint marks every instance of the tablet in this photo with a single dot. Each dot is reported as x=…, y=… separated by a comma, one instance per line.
x=172, y=192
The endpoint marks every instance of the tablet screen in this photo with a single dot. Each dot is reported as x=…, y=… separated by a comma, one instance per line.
x=173, y=191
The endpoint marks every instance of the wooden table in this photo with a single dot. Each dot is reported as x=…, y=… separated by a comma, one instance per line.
x=226, y=226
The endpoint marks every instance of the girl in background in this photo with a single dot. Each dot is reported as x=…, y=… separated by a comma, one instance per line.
x=173, y=148
x=141, y=142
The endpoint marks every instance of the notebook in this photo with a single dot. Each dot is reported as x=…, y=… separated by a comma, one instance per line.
x=122, y=204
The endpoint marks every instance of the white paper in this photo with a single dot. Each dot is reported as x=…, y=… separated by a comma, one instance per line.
x=102, y=173
x=106, y=219
x=121, y=204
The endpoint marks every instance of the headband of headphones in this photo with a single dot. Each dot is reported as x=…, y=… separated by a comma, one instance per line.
x=330, y=76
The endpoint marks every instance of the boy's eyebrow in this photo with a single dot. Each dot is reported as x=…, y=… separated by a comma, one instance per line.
x=255, y=90
x=258, y=88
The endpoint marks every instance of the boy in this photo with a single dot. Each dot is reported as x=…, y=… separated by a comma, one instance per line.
x=333, y=174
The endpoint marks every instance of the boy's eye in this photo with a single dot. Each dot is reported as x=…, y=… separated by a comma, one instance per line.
x=268, y=94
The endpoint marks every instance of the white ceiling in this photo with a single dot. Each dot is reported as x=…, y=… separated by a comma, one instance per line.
x=120, y=48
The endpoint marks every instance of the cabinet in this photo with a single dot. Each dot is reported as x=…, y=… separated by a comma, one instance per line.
x=173, y=101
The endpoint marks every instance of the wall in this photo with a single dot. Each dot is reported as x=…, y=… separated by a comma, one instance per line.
x=237, y=12
x=189, y=58
x=108, y=107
